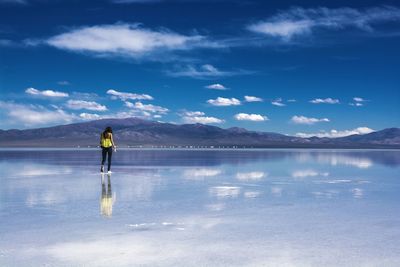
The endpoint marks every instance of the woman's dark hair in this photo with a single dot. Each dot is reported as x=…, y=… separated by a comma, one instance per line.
x=107, y=131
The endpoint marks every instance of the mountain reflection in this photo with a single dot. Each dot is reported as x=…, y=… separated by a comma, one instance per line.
x=358, y=158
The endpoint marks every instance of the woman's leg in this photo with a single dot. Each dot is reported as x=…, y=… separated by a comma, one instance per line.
x=103, y=159
x=109, y=158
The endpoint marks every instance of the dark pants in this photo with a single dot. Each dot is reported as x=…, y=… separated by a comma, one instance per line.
x=104, y=152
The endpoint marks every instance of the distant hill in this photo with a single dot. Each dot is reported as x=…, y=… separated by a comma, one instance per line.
x=139, y=132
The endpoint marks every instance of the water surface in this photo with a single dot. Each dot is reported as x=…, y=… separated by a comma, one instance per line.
x=200, y=208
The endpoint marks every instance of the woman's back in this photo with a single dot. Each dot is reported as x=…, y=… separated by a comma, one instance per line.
x=106, y=139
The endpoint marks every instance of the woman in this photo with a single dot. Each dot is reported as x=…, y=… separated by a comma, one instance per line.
x=107, y=146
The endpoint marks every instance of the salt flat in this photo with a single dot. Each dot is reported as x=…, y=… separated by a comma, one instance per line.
x=200, y=208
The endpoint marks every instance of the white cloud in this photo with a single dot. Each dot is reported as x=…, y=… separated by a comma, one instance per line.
x=193, y=113
x=325, y=101
x=203, y=120
x=47, y=93
x=305, y=120
x=278, y=102
x=82, y=104
x=147, y=107
x=89, y=116
x=335, y=134
x=124, y=96
x=284, y=29
x=203, y=72
x=34, y=115
x=358, y=99
x=129, y=104
x=292, y=100
x=130, y=40
x=221, y=101
x=303, y=21
x=199, y=117
x=248, y=98
x=358, y=102
x=216, y=86
x=250, y=117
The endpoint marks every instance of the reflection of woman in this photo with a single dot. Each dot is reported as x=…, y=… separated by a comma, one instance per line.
x=107, y=201
x=107, y=145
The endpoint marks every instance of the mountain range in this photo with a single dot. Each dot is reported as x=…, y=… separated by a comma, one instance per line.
x=145, y=133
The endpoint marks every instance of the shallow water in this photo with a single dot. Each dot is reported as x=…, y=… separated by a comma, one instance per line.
x=200, y=208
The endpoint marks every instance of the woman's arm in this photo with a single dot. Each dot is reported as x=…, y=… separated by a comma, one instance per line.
x=112, y=140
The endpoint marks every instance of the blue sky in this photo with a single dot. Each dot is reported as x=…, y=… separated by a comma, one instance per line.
x=295, y=67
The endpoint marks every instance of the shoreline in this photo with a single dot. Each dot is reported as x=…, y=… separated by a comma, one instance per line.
x=191, y=149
